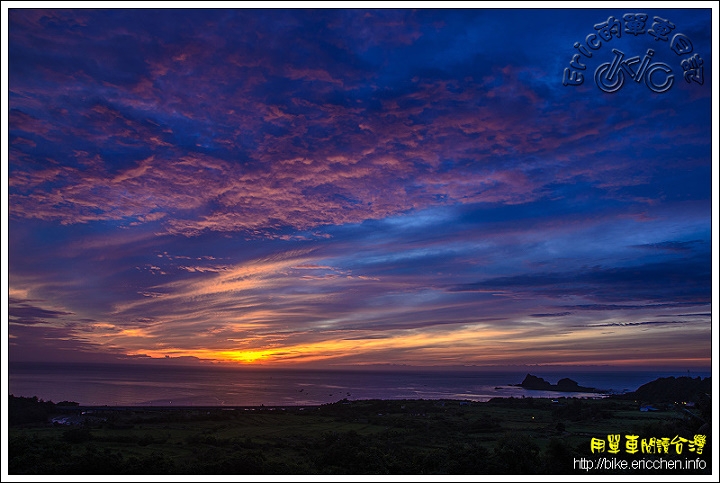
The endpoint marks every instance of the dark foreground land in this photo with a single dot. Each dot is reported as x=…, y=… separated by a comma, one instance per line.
x=502, y=436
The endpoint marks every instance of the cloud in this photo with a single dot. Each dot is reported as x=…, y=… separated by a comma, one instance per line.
x=212, y=155
x=686, y=280
x=24, y=312
x=558, y=314
x=267, y=185
x=647, y=322
x=601, y=307
x=672, y=246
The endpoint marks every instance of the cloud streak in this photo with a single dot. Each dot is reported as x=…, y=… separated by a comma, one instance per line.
x=347, y=187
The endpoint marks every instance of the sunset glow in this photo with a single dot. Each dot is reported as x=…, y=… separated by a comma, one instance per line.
x=360, y=187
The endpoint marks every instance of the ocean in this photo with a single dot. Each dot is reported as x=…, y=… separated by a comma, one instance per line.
x=145, y=385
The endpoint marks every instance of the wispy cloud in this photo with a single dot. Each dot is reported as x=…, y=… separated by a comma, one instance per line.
x=348, y=186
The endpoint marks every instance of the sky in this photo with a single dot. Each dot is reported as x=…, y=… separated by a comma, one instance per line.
x=357, y=186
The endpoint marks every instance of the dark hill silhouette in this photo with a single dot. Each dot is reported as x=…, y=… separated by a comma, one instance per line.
x=671, y=389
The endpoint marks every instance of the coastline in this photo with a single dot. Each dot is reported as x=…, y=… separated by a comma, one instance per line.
x=124, y=386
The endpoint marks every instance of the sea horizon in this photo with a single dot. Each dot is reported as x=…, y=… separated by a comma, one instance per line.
x=117, y=384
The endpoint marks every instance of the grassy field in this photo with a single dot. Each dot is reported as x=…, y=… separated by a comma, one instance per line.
x=507, y=436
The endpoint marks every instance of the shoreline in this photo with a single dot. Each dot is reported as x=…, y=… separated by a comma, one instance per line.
x=294, y=405
x=302, y=407
x=290, y=389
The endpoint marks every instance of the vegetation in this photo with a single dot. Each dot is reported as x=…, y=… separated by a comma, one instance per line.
x=502, y=436
x=671, y=389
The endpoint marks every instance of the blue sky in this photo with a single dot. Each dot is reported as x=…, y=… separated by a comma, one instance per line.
x=339, y=187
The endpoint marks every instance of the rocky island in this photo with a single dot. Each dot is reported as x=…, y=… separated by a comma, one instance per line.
x=535, y=383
